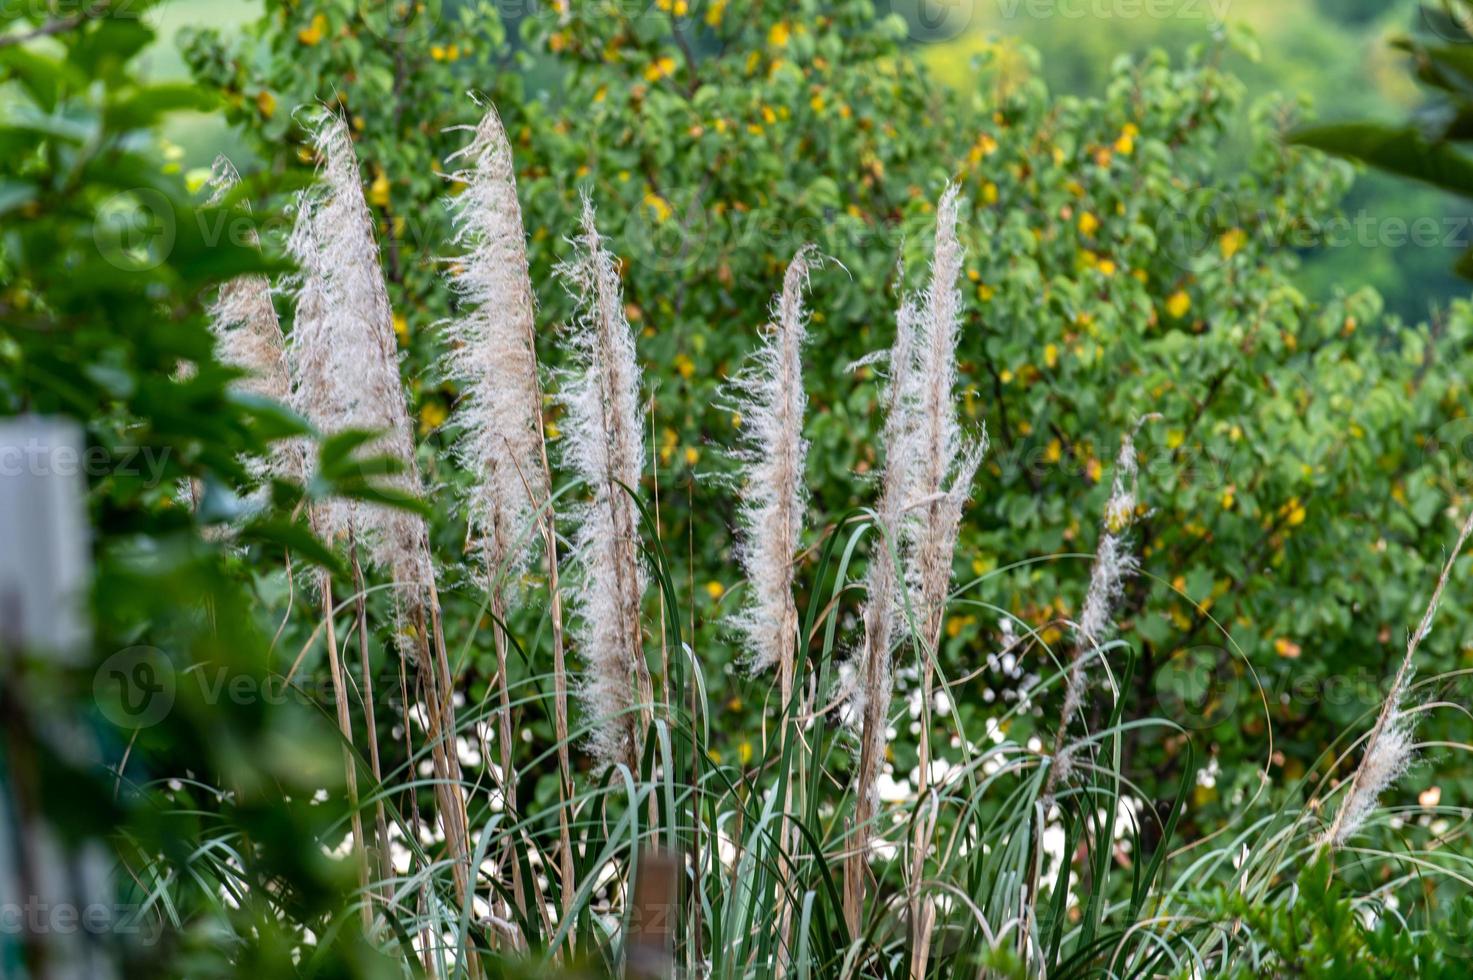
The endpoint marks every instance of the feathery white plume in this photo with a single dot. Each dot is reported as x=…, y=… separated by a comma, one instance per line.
x=491, y=355
x=873, y=683
x=1385, y=762
x=1389, y=748
x=248, y=337
x=773, y=495
x=604, y=444
x=941, y=463
x=1113, y=564
x=367, y=391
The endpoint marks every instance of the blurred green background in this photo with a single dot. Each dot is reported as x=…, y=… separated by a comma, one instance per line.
x=1333, y=56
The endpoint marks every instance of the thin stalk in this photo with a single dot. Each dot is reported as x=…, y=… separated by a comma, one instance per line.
x=504, y=737
x=350, y=768
x=370, y=713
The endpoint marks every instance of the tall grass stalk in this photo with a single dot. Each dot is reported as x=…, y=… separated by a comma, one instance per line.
x=773, y=497
x=1389, y=747
x=310, y=360
x=873, y=678
x=492, y=357
x=945, y=464
x=1113, y=565
x=348, y=378
x=603, y=440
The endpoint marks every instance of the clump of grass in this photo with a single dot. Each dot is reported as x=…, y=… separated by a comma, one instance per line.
x=766, y=839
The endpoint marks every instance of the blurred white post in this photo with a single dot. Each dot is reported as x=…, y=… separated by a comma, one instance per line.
x=57, y=908
x=43, y=538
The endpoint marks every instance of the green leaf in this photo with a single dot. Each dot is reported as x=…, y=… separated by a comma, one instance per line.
x=282, y=533
x=1403, y=151
x=144, y=107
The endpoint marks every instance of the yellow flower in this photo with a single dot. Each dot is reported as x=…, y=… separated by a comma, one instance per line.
x=437, y=51
x=1106, y=267
x=817, y=103
x=692, y=455
x=778, y=35
x=1231, y=241
x=266, y=102
x=378, y=191
x=659, y=205
x=768, y=116
x=1296, y=514
x=715, y=589
x=715, y=12
x=1006, y=376
x=684, y=365
x=1054, y=452
x=1051, y=355
x=661, y=67
x=1088, y=224
x=431, y=416
x=1126, y=143
x=1094, y=470
x=1174, y=438
x=1179, y=304
x=744, y=752
x=989, y=193
x=1287, y=648
x=401, y=326
x=313, y=33
x=552, y=430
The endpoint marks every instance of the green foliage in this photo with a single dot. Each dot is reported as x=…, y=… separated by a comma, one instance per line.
x=1314, y=929
x=1115, y=267
x=1296, y=487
